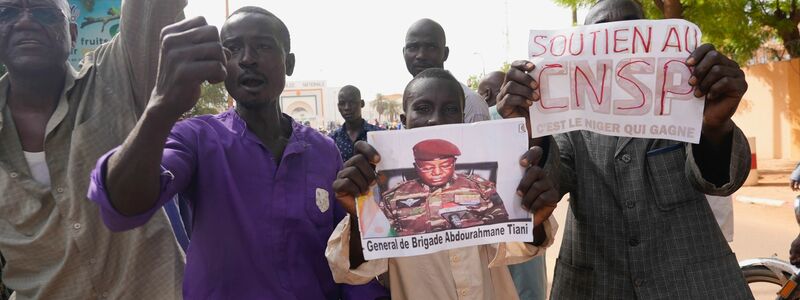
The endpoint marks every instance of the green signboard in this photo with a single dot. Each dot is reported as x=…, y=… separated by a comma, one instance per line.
x=97, y=21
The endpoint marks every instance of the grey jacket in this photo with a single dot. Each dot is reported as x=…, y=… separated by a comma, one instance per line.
x=639, y=225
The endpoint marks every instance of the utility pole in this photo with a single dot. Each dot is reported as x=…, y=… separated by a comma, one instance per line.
x=483, y=64
x=508, y=41
x=227, y=13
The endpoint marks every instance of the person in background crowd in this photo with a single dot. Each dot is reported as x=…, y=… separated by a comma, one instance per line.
x=355, y=128
x=54, y=124
x=530, y=277
x=639, y=225
x=268, y=177
x=5, y=293
x=489, y=87
x=426, y=47
x=794, y=179
x=794, y=184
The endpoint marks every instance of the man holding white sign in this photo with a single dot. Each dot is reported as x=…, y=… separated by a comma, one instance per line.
x=639, y=226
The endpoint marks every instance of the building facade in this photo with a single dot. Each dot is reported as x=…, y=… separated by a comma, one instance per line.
x=311, y=102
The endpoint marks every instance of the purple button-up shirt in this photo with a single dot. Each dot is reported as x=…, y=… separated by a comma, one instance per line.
x=259, y=228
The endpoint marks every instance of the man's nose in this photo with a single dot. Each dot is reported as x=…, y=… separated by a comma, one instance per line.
x=421, y=53
x=249, y=57
x=437, y=170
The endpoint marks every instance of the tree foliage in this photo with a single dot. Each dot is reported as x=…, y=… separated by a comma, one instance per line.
x=213, y=100
x=727, y=24
x=780, y=18
x=474, y=80
x=386, y=107
x=379, y=104
x=574, y=5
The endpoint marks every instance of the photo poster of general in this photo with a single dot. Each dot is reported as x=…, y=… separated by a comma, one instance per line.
x=625, y=79
x=445, y=187
x=97, y=22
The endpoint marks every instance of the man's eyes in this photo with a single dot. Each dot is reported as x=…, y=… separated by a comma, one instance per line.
x=238, y=48
x=423, y=47
x=451, y=109
x=430, y=168
x=264, y=47
x=422, y=108
x=232, y=48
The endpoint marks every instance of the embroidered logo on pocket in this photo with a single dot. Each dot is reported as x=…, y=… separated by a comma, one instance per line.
x=323, y=202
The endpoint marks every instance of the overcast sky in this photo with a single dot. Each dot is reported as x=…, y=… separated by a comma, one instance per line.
x=360, y=42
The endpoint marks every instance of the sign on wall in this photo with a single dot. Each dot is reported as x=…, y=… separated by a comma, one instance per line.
x=97, y=22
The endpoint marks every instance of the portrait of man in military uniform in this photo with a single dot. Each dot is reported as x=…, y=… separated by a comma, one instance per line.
x=439, y=198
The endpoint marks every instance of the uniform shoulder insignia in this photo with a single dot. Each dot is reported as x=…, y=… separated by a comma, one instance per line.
x=403, y=188
x=484, y=184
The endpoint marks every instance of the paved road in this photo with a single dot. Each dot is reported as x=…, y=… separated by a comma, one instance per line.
x=759, y=230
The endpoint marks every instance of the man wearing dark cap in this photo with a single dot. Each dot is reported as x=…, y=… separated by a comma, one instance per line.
x=441, y=199
x=355, y=128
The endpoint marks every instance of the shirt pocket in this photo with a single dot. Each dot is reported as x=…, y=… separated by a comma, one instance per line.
x=23, y=206
x=318, y=205
x=666, y=170
x=572, y=282
x=92, y=139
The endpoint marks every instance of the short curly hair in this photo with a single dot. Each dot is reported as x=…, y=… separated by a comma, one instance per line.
x=258, y=10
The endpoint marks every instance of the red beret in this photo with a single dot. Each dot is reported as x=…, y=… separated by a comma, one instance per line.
x=435, y=148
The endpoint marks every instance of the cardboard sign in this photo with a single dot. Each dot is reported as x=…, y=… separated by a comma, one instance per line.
x=442, y=187
x=622, y=78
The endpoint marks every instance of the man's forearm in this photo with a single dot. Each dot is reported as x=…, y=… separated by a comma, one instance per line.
x=139, y=40
x=133, y=173
x=539, y=235
x=713, y=154
x=356, y=254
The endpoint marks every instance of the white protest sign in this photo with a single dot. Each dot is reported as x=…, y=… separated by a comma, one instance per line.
x=622, y=78
x=441, y=188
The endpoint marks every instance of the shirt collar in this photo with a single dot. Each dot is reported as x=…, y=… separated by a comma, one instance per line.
x=70, y=77
x=365, y=127
x=297, y=141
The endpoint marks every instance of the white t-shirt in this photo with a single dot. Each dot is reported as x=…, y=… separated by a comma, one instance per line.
x=475, y=109
x=38, y=166
x=723, y=212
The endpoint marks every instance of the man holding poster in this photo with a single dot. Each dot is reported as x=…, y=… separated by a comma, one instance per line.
x=435, y=98
x=639, y=225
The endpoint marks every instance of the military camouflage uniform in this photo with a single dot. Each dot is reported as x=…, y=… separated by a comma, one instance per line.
x=467, y=200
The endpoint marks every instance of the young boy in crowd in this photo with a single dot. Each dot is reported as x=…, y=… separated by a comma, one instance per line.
x=434, y=97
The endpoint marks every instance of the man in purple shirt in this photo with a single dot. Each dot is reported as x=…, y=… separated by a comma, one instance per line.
x=258, y=183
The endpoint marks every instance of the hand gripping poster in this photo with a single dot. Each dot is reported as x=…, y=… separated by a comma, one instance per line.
x=97, y=21
x=622, y=78
x=445, y=187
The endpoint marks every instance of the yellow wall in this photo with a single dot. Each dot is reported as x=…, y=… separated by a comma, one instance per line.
x=770, y=110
